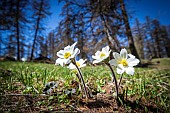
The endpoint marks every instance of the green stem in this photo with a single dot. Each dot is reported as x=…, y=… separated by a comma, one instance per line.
x=79, y=81
x=120, y=80
x=82, y=80
x=115, y=80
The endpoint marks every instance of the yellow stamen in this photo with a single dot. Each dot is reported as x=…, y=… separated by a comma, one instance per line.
x=102, y=55
x=78, y=64
x=123, y=62
x=67, y=55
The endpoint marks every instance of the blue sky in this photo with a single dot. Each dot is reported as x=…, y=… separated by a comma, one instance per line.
x=55, y=18
x=159, y=9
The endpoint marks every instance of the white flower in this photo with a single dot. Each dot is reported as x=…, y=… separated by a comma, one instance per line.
x=124, y=62
x=23, y=59
x=101, y=55
x=79, y=63
x=65, y=55
x=15, y=57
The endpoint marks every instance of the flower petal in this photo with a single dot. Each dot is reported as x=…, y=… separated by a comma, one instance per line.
x=97, y=55
x=105, y=49
x=113, y=62
x=66, y=61
x=121, y=66
x=101, y=55
x=75, y=53
x=67, y=48
x=130, y=70
x=131, y=56
x=116, y=56
x=123, y=54
x=97, y=61
x=81, y=61
x=83, y=65
x=59, y=61
x=60, y=53
x=120, y=69
x=94, y=57
x=132, y=62
x=108, y=51
x=72, y=47
x=71, y=66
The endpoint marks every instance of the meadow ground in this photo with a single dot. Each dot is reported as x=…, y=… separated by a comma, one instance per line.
x=22, y=88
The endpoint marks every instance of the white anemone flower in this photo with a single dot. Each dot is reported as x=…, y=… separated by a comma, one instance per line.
x=101, y=55
x=124, y=62
x=80, y=63
x=67, y=54
x=23, y=59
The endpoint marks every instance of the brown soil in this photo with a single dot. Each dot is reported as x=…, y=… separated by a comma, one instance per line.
x=101, y=103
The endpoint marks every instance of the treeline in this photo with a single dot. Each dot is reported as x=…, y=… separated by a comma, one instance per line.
x=22, y=27
x=93, y=24
x=152, y=39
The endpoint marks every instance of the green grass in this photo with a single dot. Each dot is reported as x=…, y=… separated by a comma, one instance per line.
x=151, y=84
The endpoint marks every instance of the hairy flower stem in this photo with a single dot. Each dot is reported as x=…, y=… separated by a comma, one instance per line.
x=120, y=80
x=115, y=80
x=78, y=76
x=82, y=80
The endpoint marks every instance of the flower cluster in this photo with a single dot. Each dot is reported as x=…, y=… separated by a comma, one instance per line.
x=101, y=55
x=123, y=62
x=69, y=54
x=68, y=57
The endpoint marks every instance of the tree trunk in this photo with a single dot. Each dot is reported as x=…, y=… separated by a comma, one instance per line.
x=128, y=30
x=17, y=30
x=51, y=45
x=0, y=44
x=111, y=40
x=140, y=40
x=36, y=31
x=151, y=44
x=157, y=43
x=53, y=48
x=166, y=41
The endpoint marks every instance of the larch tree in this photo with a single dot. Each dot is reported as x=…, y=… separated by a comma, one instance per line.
x=6, y=13
x=158, y=40
x=106, y=21
x=66, y=24
x=51, y=45
x=93, y=23
x=128, y=29
x=40, y=12
x=72, y=26
x=166, y=40
x=14, y=19
x=150, y=39
x=139, y=38
x=43, y=46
